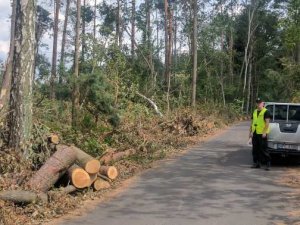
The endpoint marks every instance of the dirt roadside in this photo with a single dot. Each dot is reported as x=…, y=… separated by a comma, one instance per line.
x=124, y=184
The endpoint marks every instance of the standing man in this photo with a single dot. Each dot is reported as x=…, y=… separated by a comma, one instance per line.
x=259, y=131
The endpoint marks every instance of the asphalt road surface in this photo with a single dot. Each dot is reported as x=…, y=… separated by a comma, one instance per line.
x=212, y=184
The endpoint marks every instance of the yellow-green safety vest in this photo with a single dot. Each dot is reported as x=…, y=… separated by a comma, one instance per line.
x=258, y=122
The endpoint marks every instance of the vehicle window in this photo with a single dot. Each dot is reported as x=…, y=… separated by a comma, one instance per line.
x=270, y=109
x=294, y=113
x=280, y=112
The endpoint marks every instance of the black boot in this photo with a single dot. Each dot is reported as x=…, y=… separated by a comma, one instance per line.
x=255, y=166
x=268, y=165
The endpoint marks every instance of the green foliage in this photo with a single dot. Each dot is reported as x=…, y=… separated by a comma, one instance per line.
x=108, y=14
x=92, y=146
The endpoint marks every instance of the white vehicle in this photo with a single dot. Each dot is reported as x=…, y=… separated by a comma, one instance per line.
x=284, y=137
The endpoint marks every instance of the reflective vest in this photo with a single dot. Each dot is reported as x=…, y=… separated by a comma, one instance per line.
x=258, y=122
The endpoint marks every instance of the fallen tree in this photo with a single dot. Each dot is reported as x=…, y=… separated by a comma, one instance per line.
x=53, y=169
x=24, y=197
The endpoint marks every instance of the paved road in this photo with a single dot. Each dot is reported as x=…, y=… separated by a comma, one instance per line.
x=212, y=184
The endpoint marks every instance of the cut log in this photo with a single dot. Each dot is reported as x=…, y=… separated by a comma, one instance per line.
x=110, y=171
x=79, y=177
x=63, y=190
x=104, y=177
x=87, y=162
x=100, y=184
x=93, y=177
x=54, y=139
x=53, y=169
x=108, y=158
x=54, y=195
x=24, y=197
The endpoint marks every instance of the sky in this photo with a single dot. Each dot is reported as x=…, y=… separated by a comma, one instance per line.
x=5, y=12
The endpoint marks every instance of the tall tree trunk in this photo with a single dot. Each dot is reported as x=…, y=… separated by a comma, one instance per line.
x=6, y=81
x=166, y=41
x=132, y=28
x=194, y=52
x=83, y=31
x=168, y=55
x=157, y=33
x=63, y=43
x=20, y=117
x=231, y=59
x=75, y=92
x=54, y=52
x=149, y=42
x=94, y=36
x=249, y=87
x=246, y=56
x=298, y=53
x=222, y=62
x=231, y=41
x=249, y=80
x=175, y=39
x=118, y=25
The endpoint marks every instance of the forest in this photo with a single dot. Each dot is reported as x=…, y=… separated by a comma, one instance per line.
x=133, y=74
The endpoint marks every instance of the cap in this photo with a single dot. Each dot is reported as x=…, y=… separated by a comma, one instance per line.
x=258, y=100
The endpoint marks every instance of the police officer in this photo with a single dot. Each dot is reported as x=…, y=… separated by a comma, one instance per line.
x=259, y=131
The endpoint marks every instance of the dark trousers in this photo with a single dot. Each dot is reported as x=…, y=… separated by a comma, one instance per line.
x=260, y=151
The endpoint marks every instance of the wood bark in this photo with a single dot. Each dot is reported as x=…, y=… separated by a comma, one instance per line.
x=93, y=177
x=87, y=162
x=75, y=91
x=63, y=43
x=53, y=169
x=6, y=81
x=194, y=52
x=54, y=50
x=83, y=48
x=168, y=48
x=110, y=171
x=298, y=53
x=132, y=28
x=24, y=197
x=20, y=116
x=152, y=104
x=63, y=190
x=100, y=184
x=79, y=177
x=251, y=29
x=104, y=177
x=113, y=157
x=53, y=195
x=118, y=25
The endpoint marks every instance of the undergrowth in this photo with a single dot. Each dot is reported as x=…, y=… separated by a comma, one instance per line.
x=152, y=137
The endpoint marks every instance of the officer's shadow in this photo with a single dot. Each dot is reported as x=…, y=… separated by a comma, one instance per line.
x=243, y=158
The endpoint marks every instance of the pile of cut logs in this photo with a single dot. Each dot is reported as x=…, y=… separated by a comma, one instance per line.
x=71, y=164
